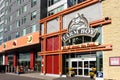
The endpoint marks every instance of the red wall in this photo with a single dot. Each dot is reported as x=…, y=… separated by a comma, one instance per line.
x=6, y=59
x=52, y=43
x=56, y=64
x=49, y=64
x=52, y=61
x=56, y=43
x=32, y=60
x=15, y=60
x=52, y=64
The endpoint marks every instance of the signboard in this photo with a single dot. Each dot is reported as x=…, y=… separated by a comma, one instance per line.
x=100, y=74
x=114, y=61
x=79, y=26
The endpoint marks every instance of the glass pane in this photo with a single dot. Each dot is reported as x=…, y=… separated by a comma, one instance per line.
x=85, y=71
x=80, y=72
x=92, y=64
x=74, y=64
x=80, y=64
x=75, y=70
x=86, y=64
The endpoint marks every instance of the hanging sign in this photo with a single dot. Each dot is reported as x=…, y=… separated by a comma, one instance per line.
x=79, y=27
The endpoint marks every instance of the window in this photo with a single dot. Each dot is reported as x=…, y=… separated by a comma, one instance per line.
x=24, y=8
x=33, y=3
x=17, y=23
x=1, y=34
x=51, y=2
x=18, y=1
x=24, y=20
x=24, y=32
x=9, y=9
x=6, y=12
x=33, y=28
x=6, y=21
x=5, y=39
x=56, y=10
x=33, y=15
x=73, y=2
x=1, y=42
x=10, y=18
x=9, y=37
x=1, y=18
x=17, y=34
x=10, y=27
x=1, y=26
x=5, y=29
x=6, y=3
x=18, y=12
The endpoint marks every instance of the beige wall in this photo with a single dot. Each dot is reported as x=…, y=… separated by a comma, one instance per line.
x=111, y=35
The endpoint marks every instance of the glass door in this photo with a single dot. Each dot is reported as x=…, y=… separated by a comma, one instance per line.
x=82, y=66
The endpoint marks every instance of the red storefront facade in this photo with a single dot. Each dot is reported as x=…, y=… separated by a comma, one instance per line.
x=53, y=49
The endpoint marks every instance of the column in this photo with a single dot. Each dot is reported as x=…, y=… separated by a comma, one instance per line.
x=3, y=59
x=32, y=60
x=6, y=59
x=6, y=63
x=15, y=60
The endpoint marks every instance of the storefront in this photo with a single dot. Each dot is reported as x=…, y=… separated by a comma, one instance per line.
x=21, y=52
x=73, y=39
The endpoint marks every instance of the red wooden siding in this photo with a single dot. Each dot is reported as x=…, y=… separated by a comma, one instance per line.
x=49, y=44
x=32, y=60
x=56, y=43
x=15, y=60
x=6, y=59
x=56, y=64
x=49, y=64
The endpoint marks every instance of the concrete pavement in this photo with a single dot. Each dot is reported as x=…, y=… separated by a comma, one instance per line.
x=49, y=77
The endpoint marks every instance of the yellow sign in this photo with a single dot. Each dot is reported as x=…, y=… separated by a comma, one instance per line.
x=29, y=39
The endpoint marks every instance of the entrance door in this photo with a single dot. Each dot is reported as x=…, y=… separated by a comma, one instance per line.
x=82, y=66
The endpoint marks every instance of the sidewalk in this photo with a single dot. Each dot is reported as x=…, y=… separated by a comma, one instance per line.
x=36, y=75
x=50, y=77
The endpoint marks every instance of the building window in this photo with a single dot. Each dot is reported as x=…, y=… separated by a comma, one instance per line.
x=9, y=9
x=10, y=27
x=24, y=8
x=10, y=18
x=17, y=34
x=1, y=43
x=24, y=32
x=24, y=20
x=5, y=29
x=6, y=12
x=6, y=21
x=6, y=3
x=73, y=2
x=33, y=28
x=33, y=3
x=56, y=10
x=18, y=12
x=18, y=1
x=1, y=34
x=5, y=39
x=51, y=2
x=33, y=15
x=1, y=26
x=9, y=37
x=17, y=23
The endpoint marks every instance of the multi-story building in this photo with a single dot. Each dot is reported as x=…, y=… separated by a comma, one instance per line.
x=81, y=37
x=21, y=30
x=75, y=34
x=2, y=12
x=55, y=6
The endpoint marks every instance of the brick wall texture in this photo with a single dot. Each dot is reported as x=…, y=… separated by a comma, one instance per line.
x=111, y=35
